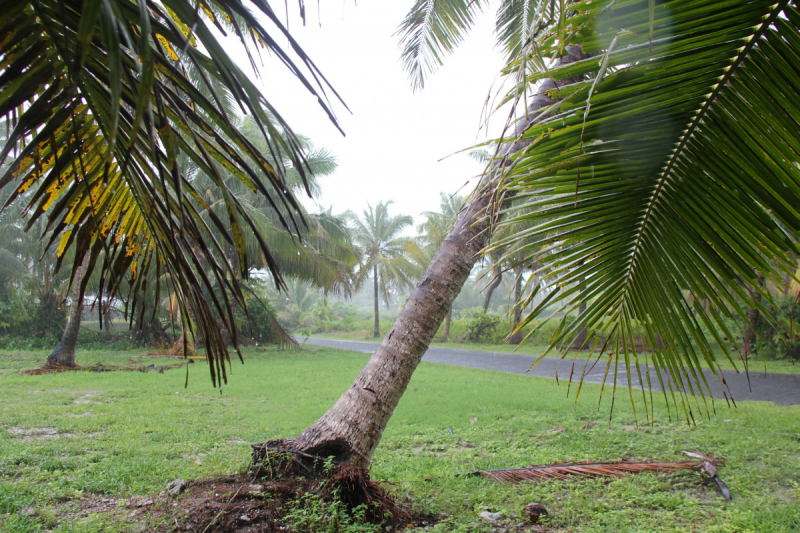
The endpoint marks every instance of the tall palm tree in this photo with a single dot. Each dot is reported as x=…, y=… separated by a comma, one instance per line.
x=383, y=253
x=659, y=153
x=104, y=97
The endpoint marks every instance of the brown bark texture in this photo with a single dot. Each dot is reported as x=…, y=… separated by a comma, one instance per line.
x=352, y=428
x=64, y=353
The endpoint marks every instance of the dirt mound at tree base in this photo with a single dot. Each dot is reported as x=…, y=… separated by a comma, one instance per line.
x=237, y=504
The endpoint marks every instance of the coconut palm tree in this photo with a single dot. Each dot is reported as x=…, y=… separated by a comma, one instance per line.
x=383, y=253
x=432, y=234
x=656, y=150
x=105, y=97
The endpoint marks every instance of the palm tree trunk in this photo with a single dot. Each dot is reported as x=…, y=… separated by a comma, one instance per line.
x=64, y=353
x=447, y=319
x=749, y=337
x=352, y=428
x=580, y=339
x=376, y=332
x=498, y=277
x=516, y=338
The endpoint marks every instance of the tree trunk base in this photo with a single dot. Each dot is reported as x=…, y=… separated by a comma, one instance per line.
x=329, y=461
x=55, y=361
x=277, y=458
x=52, y=366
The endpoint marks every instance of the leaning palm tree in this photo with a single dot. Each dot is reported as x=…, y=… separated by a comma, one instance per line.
x=657, y=150
x=432, y=232
x=383, y=253
x=104, y=97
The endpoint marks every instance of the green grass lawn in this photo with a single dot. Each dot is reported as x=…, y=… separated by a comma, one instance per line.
x=754, y=365
x=124, y=434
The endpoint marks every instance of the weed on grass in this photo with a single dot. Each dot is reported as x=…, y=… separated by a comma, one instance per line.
x=80, y=450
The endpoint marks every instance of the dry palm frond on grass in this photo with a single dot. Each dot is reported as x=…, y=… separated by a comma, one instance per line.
x=564, y=471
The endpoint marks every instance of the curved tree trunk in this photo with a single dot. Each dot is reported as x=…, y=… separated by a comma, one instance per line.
x=64, y=353
x=447, y=319
x=376, y=332
x=352, y=428
x=498, y=277
x=516, y=338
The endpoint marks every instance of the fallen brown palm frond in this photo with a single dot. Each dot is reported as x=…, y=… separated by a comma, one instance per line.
x=50, y=367
x=565, y=471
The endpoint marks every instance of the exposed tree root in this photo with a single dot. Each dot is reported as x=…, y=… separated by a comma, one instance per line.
x=328, y=465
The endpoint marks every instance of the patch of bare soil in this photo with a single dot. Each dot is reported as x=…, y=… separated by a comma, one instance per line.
x=100, y=367
x=234, y=504
x=30, y=434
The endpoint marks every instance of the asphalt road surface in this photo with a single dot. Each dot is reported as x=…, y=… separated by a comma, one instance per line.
x=783, y=389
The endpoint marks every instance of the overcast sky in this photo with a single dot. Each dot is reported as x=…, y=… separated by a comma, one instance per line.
x=395, y=138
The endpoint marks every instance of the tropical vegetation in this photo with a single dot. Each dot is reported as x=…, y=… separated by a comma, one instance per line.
x=384, y=253
x=105, y=98
x=655, y=154
x=650, y=170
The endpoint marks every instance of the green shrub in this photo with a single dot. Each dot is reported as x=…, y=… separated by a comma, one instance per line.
x=779, y=337
x=482, y=327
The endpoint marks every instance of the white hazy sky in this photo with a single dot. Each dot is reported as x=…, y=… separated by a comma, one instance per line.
x=395, y=138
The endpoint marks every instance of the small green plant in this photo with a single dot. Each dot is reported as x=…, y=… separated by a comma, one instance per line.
x=315, y=513
x=481, y=327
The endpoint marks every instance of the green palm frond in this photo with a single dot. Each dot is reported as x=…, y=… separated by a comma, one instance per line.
x=105, y=98
x=431, y=30
x=519, y=23
x=682, y=178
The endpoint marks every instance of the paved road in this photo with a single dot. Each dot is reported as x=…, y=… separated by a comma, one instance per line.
x=783, y=389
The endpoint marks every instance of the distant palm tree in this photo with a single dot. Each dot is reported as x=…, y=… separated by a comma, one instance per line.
x=297, y=304
x=383, y=252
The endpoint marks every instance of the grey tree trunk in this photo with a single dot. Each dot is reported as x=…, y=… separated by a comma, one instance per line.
x=579, y=343
x=580, y=339
x=447, y=319
x=352, y=428
x=376, y=332
x=753, y=316
x=498, y=277
x=64, y=353
x=516, y=338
